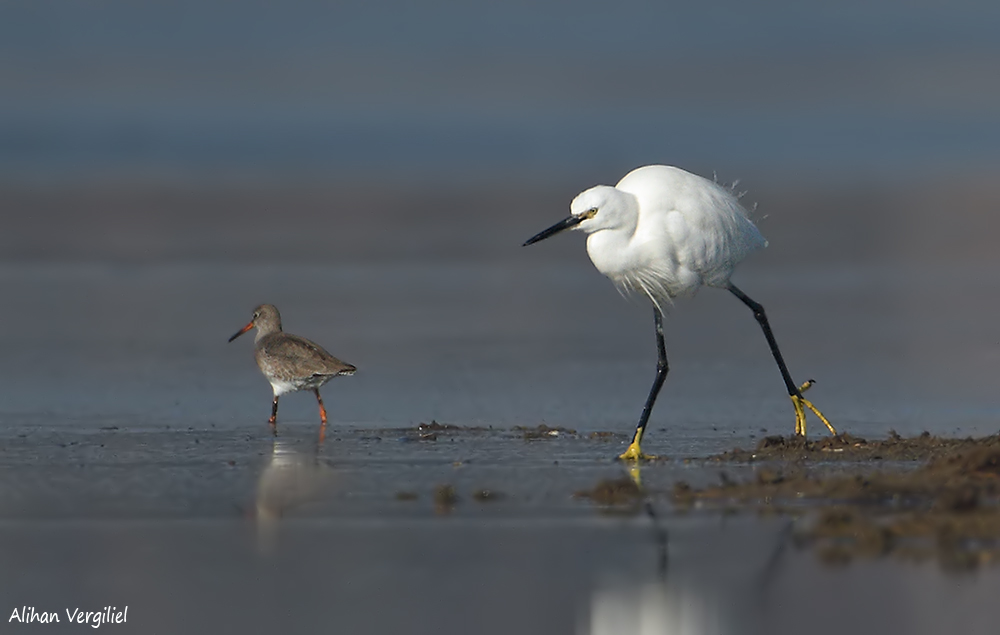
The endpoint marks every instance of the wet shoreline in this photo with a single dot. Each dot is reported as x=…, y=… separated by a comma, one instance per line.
x=323, y=528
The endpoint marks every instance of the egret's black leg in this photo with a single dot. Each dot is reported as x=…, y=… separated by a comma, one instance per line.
x=633, y=452
x=794, y=392
x=274, y=415
x=758, y=313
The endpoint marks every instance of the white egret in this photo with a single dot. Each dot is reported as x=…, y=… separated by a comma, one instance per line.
x=666, y=233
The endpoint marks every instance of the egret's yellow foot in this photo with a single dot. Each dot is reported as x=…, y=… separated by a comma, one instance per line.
x=800, y=415
x=801, y=403
x=633, y=453
x=815, y=411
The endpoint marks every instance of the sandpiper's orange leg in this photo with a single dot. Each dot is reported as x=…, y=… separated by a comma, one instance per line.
x=322, y=410
x=274, y=416
x=322, y=416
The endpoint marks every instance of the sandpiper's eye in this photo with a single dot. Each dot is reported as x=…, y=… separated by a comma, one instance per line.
x=256, y=315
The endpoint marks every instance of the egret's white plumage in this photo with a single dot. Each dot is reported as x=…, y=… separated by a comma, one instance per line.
x=666, y=233
x=672, y=232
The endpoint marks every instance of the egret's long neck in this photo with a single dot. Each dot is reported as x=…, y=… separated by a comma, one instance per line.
x=609, y=251
x=624, y=213
x=609, y=244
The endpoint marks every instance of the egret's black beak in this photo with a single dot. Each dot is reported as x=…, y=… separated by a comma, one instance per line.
x=565, y=223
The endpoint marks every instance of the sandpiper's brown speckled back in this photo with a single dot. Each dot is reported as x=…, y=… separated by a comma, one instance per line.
x=291, y=362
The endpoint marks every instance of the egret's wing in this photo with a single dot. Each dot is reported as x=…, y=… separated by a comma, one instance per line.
x=711, y=233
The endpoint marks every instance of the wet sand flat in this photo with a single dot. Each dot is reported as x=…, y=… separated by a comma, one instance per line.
x=199, y=530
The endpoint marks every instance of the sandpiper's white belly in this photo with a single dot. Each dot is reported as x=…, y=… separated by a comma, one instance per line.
x=282, y=387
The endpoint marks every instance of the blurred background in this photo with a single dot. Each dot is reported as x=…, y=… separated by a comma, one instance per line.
x=453, y=93
x=373, y=167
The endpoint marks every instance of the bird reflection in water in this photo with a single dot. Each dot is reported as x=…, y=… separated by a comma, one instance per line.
x=674, y=604
x=657, y=607
x=290, y=480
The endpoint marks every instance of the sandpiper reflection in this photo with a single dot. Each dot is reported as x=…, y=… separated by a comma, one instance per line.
x=290, y=480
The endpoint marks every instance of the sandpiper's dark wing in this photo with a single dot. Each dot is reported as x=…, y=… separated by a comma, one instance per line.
x=293, y=356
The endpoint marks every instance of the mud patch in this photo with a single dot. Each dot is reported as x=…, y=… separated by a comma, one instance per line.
x=433, y=431
x=957, y=539
x=845, y=447
x=920, y=498
x=607, y=436
x=434, y=426
x=543, y=431
x=445, y=499
x=613, y=492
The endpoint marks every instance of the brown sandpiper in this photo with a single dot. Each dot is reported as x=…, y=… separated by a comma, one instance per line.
x=289, y=362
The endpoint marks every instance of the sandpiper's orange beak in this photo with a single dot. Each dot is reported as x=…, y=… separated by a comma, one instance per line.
x=241, y=331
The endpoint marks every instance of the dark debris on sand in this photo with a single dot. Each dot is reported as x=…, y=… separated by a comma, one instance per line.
x=445, y=499
x=434, y=426
x=845, y=447
x=613, y=492
x=487, y=495
x=433, y=430
x=944, y=505
x=543, y=431
x=607, y=436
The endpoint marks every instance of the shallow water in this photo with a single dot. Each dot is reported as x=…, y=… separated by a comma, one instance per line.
x=201, y=531
x=508, y=343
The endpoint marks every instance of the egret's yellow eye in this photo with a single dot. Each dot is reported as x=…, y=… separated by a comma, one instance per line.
x=590, y=213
